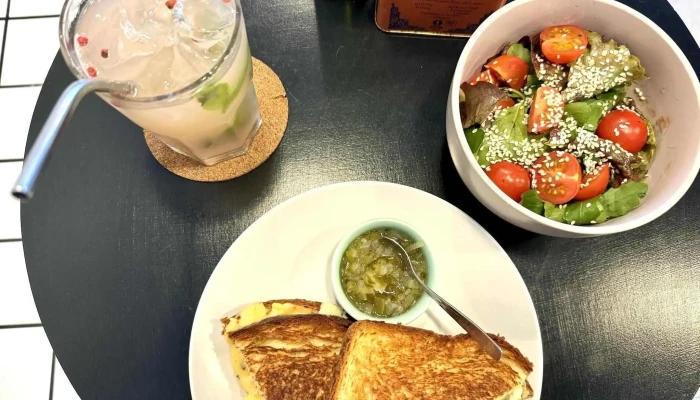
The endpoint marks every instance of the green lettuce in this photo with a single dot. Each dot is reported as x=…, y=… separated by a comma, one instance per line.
x=518, y=50
x=618, y=202
x=589, y=112
x=506, y=131
x=531, y=200
x=475, y=137
x=603, y=66
x=554, y=212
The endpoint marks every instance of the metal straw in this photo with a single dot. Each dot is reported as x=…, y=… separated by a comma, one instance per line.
x=62, y=112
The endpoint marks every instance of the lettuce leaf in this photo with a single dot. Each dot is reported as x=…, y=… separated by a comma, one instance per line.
x=603, y=66
x=554, y=212
x=475, y=137
x=479, y=102
x=583, y=212
x=620, y=201
x=589, y=112
x=531, y=200
x=504, y=134
x=518, y=50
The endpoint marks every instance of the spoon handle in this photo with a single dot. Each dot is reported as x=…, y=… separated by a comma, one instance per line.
x=472, y=329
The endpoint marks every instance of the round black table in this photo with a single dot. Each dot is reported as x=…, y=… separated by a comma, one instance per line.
x=118, y=249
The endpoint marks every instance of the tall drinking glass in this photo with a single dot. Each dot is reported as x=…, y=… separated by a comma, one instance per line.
x=188, y=62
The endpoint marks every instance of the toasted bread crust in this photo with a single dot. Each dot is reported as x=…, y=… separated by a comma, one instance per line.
x=419, y=364
x=312, y=305
x=315, y=306
x=515, y=354
x=292, y=356
x=261, y=329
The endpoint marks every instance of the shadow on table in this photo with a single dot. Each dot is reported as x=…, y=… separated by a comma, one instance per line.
x=456, y=192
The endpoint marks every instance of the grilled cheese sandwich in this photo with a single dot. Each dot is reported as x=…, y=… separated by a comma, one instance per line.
x=258, y=313
x=381, y=361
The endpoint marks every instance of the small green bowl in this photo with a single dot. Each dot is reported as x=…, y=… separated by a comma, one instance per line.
x=409, y=315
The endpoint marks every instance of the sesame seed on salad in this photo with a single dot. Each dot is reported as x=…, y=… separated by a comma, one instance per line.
x=562, y=123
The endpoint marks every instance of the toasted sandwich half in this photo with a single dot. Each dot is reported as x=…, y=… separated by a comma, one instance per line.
x=288, y=357
x=390, y=362
x=256, y=312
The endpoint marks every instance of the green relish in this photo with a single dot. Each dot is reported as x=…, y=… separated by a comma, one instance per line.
x=373, y=277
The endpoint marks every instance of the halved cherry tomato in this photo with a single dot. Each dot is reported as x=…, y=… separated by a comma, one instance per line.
x=505, y=103
x=511, y=70
x=594, y=184
x=511, y=178
x=546, y=111
x=487, y=76
x=557, y=177
x=563, y=44
x=625, y=128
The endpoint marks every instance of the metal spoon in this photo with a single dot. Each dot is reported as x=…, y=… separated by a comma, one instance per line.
x=62, y=111
x=472, y=329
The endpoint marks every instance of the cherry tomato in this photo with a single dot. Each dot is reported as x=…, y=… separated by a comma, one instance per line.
x=563, y=44
x=505, y=103
x=625, y=128
x=511, y=70
x=546, y=111
x=511, y=178
x=557, y=177
x=487, y=76
x=594, y=184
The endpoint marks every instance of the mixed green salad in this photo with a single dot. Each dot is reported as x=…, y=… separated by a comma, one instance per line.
x=550, y=121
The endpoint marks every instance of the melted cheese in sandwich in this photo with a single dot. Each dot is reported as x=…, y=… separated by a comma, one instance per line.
x=257, y=312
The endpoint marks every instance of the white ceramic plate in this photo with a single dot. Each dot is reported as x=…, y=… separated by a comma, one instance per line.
x=286, y=254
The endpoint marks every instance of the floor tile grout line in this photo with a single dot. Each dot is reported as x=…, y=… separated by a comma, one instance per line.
x=4, y=39
x=30, y=17
x=53, y=374
x=25, y=85
x=20, y=326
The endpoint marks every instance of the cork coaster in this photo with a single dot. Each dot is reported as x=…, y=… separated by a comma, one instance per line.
x=274, y=109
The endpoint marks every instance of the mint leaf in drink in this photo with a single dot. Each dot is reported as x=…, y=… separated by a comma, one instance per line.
x=554, y=212
x=239, y=84
x=221, y=95
x=620, y=201
x=531, y=200
x=214, y=97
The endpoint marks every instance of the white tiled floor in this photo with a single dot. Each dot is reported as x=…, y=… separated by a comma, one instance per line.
x=26, y=357
x=30, y=48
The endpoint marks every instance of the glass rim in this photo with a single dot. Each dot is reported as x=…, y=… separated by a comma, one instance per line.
x=186, y=90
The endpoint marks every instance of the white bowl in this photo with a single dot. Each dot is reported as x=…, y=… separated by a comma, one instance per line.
x=415, y=311
x=673, y=92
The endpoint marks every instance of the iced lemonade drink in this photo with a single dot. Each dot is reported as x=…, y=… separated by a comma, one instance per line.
x=189, y=61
